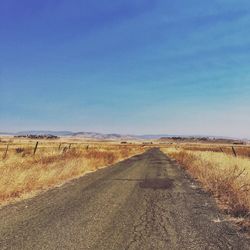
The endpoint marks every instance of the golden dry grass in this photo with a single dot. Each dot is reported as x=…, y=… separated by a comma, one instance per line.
x=225, y=176
x=240, y=150
x=23, y=173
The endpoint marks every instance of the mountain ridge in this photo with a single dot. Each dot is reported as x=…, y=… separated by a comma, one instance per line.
x=109, y=136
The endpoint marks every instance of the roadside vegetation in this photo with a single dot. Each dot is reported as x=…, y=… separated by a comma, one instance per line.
x=23, y=173
x=225, y=176
x=230, y=149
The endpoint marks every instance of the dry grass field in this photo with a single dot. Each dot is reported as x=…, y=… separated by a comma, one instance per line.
x=221, y=173
x=24, y=173
x=239, y=150
x=222, y=170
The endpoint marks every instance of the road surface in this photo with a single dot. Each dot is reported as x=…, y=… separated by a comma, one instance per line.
x=145, y=202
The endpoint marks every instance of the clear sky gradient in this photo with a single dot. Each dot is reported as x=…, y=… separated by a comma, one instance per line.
x=175, y=67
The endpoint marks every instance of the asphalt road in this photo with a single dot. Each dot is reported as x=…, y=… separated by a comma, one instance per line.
x=145, y=202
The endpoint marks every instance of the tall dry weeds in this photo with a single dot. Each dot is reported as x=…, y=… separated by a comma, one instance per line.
x=225, y=176
x=21, y=174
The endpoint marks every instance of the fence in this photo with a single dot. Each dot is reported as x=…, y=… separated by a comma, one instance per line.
x=28, y=149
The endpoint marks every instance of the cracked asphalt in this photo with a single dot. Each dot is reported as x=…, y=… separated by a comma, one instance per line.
x=145, y=202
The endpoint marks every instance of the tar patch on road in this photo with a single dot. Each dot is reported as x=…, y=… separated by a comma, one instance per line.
x=157, y=183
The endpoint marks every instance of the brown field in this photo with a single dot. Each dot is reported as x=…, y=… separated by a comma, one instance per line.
x=221, y=173
x=24, y=173
x=222, y=169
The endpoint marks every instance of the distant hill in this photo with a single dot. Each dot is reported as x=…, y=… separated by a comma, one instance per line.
x=115, y=136
x=44, y=132
x=203, y=139
x=95, y=135
x=87, y=135
x=6, y=133
x=153, y=137
x=100, y=136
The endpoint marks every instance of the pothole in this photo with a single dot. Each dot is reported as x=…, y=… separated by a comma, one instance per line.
x=163, y=183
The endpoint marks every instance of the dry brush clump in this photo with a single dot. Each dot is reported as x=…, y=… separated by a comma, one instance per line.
x=225, y=176
x=23, y=174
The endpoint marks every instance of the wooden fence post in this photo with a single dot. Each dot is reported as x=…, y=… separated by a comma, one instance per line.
x=69, y=145
x=35, y=148
x=221, y=150
x=59, y=146
x=64, y=150
x=6, y=151
x=234, y=152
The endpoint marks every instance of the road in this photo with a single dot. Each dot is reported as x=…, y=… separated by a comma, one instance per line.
x=145, y=202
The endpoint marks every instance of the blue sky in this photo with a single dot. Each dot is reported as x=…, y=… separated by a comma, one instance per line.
x=176, y=67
